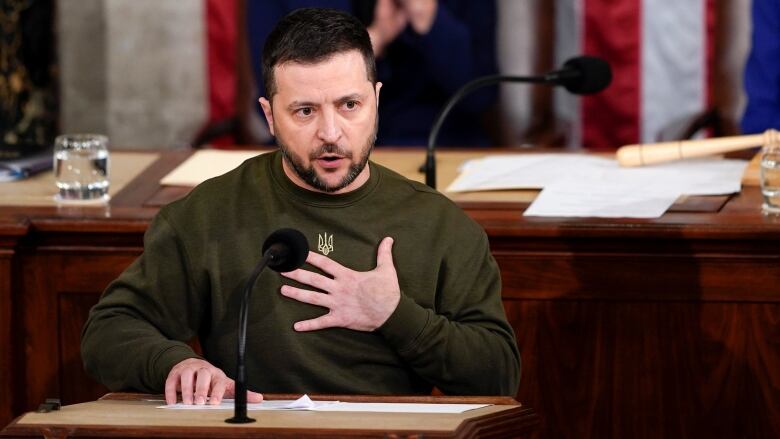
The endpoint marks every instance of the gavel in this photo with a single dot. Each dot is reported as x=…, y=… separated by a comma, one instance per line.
x=651, y=153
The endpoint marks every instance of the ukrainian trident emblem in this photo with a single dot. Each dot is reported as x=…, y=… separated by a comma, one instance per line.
x=325, y=243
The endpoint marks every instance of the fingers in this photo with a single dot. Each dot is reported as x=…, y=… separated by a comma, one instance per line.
x=305, y=296
x=202, y=386
x=325, y=264
x=311, y=278
x=187, y=376
x=218, y=391
x=251, y=397
x=384, y=255
x=197, y=380
x=171, y=386
x=322, y=322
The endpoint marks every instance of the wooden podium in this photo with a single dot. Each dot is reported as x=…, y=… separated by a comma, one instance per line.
x=121, y=415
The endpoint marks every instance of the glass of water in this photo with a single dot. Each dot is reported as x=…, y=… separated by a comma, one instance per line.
x=770, y=177
x=81, y=167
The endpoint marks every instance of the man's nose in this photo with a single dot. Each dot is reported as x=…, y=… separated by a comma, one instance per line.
x=329, y=130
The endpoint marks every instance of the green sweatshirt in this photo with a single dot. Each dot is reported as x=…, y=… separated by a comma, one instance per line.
x=449, y=329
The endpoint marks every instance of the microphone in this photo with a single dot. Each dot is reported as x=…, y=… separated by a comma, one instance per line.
x=284, y=250
x=579, y=75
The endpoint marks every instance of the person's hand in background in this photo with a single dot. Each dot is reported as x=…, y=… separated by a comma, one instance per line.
x=420, y=13
x=390, y=19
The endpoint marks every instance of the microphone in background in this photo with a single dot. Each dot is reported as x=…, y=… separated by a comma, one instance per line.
x=284, y=250
x=580, y=75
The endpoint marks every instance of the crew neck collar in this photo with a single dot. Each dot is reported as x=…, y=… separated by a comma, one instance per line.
x=318, y=198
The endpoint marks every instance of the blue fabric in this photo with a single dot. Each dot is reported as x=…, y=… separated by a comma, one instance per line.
x=762, y=73
x=419, y=72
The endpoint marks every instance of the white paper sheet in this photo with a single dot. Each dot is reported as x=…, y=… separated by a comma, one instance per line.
x=305, y=403
x=646, y=192
x=573, y=198
x=302, y=403
x=522, y=171
x=579, y=185
x=394, y=407
x=205, y=164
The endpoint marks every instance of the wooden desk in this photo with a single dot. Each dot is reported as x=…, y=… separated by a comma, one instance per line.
x=627, y=328
x=134, y=415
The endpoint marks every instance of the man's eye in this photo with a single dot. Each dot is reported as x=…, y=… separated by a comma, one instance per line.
x=351, y=105
x=305, y=111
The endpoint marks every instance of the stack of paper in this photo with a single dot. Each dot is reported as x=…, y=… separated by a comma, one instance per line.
x=580, y=185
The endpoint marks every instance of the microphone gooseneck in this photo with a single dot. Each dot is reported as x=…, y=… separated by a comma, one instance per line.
x=284, y=250
x=579, y=75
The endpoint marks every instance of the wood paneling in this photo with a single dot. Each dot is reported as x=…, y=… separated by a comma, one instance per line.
x=650, y=369
x=6, y=353
x=60, y=287
x=640, y=277
x=12, y=228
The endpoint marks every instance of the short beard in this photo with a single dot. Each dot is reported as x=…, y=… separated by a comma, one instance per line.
x=309, y=175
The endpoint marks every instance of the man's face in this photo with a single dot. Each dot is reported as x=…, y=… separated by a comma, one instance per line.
x=324, y=117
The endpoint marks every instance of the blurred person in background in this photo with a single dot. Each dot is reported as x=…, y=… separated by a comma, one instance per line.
x=762, y=72
x=425, y=49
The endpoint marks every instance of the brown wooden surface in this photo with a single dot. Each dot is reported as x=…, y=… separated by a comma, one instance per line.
x=650, y=328
x=6, y=351
x=12, y=228
x=136, y=415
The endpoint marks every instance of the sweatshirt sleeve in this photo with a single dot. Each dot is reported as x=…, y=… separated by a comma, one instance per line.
x=138, y=330
x=465, y=346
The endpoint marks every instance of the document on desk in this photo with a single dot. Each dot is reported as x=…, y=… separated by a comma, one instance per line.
x=522, y=171
x=398, y=407
x=205, y=164
x=302, y=403
x=306, y=403
x=578, y=185
x=572, y=197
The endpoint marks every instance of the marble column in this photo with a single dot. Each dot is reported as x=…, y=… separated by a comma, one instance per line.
x=133, y=69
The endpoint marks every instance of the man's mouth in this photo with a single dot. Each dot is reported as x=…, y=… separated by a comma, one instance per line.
x=330, y=160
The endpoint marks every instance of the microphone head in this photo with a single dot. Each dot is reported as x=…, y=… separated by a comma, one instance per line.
x=592, y=75
x=288, y=250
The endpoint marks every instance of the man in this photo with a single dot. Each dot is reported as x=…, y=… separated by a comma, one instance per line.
x=400, y=296
x=425, y=49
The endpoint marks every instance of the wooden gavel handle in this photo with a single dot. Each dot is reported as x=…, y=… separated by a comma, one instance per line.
x=650, y=153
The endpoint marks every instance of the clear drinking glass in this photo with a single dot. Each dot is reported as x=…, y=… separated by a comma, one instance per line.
x=81, y=167
x=770, y=177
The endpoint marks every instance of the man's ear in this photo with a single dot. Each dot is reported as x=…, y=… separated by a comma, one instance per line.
x=378, y=87
x=269, y=114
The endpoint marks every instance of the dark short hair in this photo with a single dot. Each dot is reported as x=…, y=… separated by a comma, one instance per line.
x=312, y=35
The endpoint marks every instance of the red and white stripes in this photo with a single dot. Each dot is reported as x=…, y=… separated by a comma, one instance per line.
x=660, y=52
